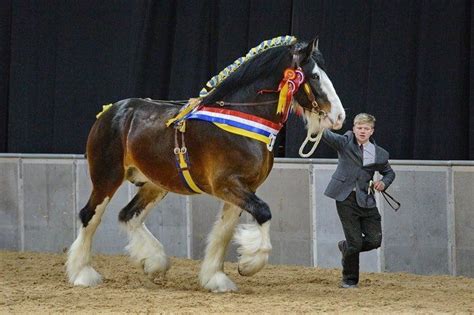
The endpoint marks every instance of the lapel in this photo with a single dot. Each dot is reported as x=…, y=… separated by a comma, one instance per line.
x=355, y=150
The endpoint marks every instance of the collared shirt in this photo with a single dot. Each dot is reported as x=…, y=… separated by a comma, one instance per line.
x=369, y=153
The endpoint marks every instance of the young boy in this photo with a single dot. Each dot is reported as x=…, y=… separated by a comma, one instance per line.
x=358, y=159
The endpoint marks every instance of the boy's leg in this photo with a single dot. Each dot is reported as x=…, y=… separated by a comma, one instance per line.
x=372, y=228
x=349, y=214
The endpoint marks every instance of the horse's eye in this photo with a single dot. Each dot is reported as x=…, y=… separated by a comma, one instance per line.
x=315, y=76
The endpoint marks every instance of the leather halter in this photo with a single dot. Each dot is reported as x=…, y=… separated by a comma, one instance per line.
x=312, y=99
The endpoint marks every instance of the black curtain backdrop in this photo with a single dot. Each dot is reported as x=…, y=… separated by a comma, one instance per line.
x=406, y=62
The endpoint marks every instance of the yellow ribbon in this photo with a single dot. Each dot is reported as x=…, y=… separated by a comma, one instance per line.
x=104, y=109
x=283, y=98
x=187, y=176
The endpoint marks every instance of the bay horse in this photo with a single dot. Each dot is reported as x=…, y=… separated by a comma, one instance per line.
x=132, y=141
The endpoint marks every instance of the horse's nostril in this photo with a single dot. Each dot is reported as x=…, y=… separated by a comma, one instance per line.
x=340, y=117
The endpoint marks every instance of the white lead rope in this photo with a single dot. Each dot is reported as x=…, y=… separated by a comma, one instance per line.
x=315, y=142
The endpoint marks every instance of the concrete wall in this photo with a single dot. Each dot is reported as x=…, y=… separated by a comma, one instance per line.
x=432, y=233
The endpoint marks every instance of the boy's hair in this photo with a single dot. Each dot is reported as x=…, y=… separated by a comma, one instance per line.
x=364, y=118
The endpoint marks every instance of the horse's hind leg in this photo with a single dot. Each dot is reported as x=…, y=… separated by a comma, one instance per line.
x=105, y=158
x=143, y=247
x=79, y=256
x=212, y=274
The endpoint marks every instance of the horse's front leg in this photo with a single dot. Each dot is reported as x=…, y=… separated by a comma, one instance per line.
x=212, y=274
x=254, y=238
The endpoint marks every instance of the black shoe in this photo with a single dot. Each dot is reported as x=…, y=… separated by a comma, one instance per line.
x=348, y=285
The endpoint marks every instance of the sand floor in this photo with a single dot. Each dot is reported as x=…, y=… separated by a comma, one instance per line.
x=36, y=283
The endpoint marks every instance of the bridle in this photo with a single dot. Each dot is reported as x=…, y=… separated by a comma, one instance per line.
x=315, y=107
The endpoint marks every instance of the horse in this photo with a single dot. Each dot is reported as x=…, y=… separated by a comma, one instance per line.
x=133, y=140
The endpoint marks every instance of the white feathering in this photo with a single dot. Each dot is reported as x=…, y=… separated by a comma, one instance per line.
x=255, y=247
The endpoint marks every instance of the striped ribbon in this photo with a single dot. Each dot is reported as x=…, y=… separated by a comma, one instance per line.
x=243, y=124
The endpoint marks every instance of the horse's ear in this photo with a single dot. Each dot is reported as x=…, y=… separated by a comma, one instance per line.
x=307, y=51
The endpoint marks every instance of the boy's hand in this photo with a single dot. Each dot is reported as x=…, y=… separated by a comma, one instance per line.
x=379, y=185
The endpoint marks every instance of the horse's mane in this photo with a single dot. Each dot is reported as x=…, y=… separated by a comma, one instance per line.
x=263, y=64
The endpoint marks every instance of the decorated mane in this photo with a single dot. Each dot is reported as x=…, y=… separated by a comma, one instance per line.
x=241, y=69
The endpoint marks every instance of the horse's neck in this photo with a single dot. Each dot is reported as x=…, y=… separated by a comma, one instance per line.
x=250, y=96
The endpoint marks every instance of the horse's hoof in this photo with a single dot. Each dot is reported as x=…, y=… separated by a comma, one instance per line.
x=250, y=265
x=87, y=277
x=220, y=283
x=157, y=264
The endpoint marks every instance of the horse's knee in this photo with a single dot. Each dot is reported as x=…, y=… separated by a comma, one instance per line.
x=258, y=209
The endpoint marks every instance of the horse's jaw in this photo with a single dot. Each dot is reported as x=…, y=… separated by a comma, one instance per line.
x=314, y=122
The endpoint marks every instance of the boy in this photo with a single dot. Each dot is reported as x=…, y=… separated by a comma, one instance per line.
x=358, y=159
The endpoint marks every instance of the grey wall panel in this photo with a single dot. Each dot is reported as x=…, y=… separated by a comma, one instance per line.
x=203, y=215
x=416, y=237
x=10, y=237
x=463, y=184
x=167, y=221
x=432, y=233
x=48, y=204
x=83, y=185
x=329, y=229
x=286, y=191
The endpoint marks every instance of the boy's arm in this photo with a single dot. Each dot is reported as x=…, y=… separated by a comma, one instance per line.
x=335, y=140
x=388, y=175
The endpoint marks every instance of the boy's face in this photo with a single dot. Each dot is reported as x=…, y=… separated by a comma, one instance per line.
x=362, y=132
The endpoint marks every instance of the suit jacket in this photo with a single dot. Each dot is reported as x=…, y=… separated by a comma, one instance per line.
x=351, y=172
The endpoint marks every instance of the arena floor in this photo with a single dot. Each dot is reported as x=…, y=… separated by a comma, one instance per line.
x=35, y=283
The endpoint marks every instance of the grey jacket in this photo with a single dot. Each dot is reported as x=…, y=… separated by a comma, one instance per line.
x=351, y=172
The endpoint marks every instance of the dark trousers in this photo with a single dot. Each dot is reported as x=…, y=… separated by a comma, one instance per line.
x=363, y=230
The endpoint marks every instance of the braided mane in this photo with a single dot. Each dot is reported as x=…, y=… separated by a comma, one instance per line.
x=258, y=61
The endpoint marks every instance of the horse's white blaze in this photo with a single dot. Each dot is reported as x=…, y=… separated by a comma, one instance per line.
x=337, y=115
x=143, y=247
x=255, y=246
x=211, y=275
x=79, y=256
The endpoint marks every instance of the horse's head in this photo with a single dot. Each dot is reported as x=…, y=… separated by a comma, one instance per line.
x=317, y=98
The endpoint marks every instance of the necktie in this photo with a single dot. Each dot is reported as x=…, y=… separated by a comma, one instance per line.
x=362, y=151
